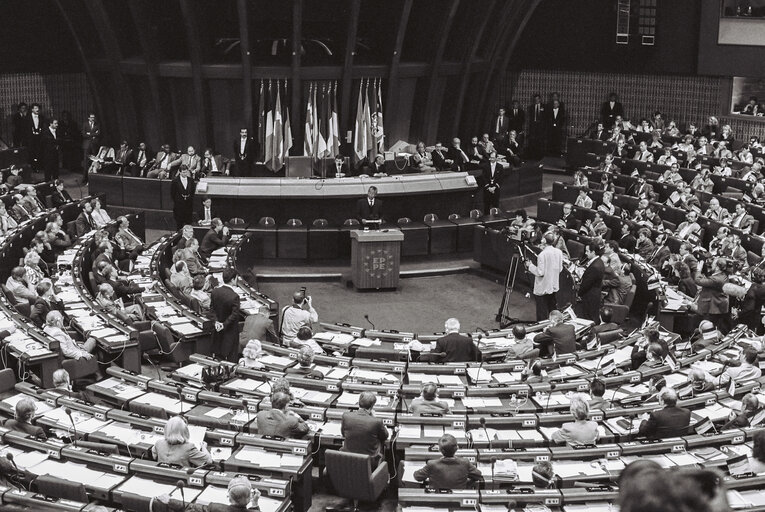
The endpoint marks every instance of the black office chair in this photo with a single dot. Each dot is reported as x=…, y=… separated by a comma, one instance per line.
x=152, y=411
x=135, y=502
x=352, y=476
x=59, y=488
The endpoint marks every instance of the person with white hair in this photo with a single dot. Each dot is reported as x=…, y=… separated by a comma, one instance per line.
x=251, y=354
x=581, y=431
x=241, y=497
x=701, y=381
x=456, y=347
x=54, y=327
x=671, y=421
x=176, y=448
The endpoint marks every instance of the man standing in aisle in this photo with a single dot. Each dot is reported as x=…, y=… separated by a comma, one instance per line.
x=224, y=304
x=182, y=192
x=244, y=151
x=546, y=276
x=591, y=284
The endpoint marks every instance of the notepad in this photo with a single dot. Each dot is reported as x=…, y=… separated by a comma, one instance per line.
x=409, y=431
x=331, y=428
x=453, y=380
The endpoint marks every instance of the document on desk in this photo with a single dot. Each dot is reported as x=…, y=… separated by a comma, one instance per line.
x=26, y=460
x=334, y=373
x=126, y=391
x=331, y=428
x=682, y=459
x=277, y=361
x=40, y=407
x=715, y=412
x=409, y=468
x=317, y=397
x=170, y=404
x=214, y=494
x=259, y=457
x=150, y=488
x=419, y=378
x=197, y=434
x=217, y=412
x=506, y=377
x=291, y=461
x=409, y=431
x=360, y=374
x=454, y=380
x=244, y=384
x=432, y=431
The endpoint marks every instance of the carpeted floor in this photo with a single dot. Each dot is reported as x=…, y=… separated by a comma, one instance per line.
x=421, y=304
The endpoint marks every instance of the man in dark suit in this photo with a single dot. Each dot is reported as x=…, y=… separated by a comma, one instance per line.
x=224, y=304
x=609, y=110
x=558, y=338
x=458, y=348
x=441, y=159
x=499, y=127
x=536, y=114
x=598, y=133
x=672, y=421
x=258, y=327
x=363, y=432
x=59, y=196
x=141, y=159
x=568, y=220
x=713, y=303
x=458, y=155
x=182, y=191
x=279, y=421
x=492, y=175
x=517, y=117
x=44, y=303
x=51, y=150
x=122, y=157
x=341, y=167
x=244, y=151
x=606, y=315
x=555, y=127
x=213, y=163
x=91, y=140
x=369, y=208
x=206, y=213
x=591, y=284
x=36, y=128
x=627, y=240
x=448, y=472
x=84, y=222
x=21, y=130
x=214, y=239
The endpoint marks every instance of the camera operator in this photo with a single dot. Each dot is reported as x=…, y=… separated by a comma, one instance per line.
x=300, y=313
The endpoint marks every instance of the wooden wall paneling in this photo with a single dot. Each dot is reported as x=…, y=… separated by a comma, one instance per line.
x=244, y=46
x=393, y=96
x=151, y=61
x=346, y=84
x=201, y=106
x=296, y=103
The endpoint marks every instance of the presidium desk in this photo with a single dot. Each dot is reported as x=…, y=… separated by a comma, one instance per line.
x=375, y=258
x=334, y=199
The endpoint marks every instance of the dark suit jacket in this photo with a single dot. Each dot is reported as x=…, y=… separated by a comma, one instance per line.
x=608, y=114
x=560, y=339
x=448, y=473
x=667, y=422
x=211, y=241
x=458, y=348
x=26, y=428
x=628, y=243
x=274, y=422
x=571, y=222
x=364, y=211
x=40, y=310
x=83, y=224
x=244, y=160
x=455, y=155
x=504, y=126
x=555, y=123
x=177, y=191
x=712, y=300
x=517, y=121
x=50, y=147
x=224, y=303
x=439, y=160
x=488, y=179
x=363, y=433
x=59, y=198
x=592, y=279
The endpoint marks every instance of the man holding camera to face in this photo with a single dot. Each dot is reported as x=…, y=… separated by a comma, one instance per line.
x=298, y=314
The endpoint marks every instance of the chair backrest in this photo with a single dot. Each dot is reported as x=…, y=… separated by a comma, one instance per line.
x=495, y=212
x=135, y=502
x=266, y=221
x=404, y=220
x=165, y=337
x=8, y=294
x=431, y=217
x=236, y=221
x=475, y=213
x=294, y=223
x=59, y=488
x=351, y=475
x=575, y=249
x=149, y=410
x=24, y=309
x=454, y=216
x=351, y=222
x=320, y=223
x=7, y=380
x=752, y=258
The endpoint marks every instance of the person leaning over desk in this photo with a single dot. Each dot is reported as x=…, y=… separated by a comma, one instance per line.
x=175, y=447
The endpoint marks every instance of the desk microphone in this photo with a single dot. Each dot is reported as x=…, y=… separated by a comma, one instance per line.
x=493, y=461
x=16, y=479
x=366, y=317
x=482, y=421
x=549, y=395
x=179, y=389
x=179, y=485
x=68, y=412
x=246, y=409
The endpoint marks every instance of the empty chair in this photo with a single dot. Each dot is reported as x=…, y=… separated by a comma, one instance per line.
x=352, y=476
x=465, y=230
x=323, y=240
x=442, y=234
x=344, y=237
x=575, y=249
x=293, y=240
x=265, y=232
x=416, y=236
x=54, y=487
x=237, y=223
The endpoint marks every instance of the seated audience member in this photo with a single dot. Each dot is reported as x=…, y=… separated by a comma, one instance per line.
x=522, y=224
x=597, y=391
x=56, y=238
x=206, y=214
x=643, y=154
x=22, y=422
x=448, y=472
x=702, y=182
x=628, y=242
x=558, y=337
x=723, y=169
x=124, y=289
x=583, y=200
x=363, y=432
x=241, y=497
x=744, y=369
x=213, y=163
x=299, y=314
x=458, y=348
x=644, y=246
x=581, y=430
x=522, y=347
x=59, y=196
x=279, y=421
x=198, y=292
x=54, y=327
x=44, y=303
x=701, y=381
x=716, y=212
x=62, y=383
x=672, y=175
x=84, y=222
x=607, y=207
x=543, y=476
x=595, y=227
x=654, y=357
x=32, y=271
x=428, y=401
x=7, y=222
x=193, y=259
x=741, y=218
x=251, y=355
x=304, y=338
x=175, y=447
x=512, y=148
x=750, y=405
x=20, y=289
x=689, y=229
x=671, y=421
x=99, y=215
x=617, y=287
x=180, y=277
x=108, y=300
x=567, y=220
x=31, y=201
x=580, y=180
x=126, y=240
x=187, y=233
x=214, y=239
x=757, y=460
x=20, y=210
x=305, y=364
x=606, y=323
x=422, y=159
x=667, y=158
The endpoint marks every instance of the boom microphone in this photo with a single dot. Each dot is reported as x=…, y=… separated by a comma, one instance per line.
x=179, y=485
x=68, y=412
x=552, y=387
x=179, y=389
x=366, y=317
x=246, y=409
x=9, y=456
x=482, y=421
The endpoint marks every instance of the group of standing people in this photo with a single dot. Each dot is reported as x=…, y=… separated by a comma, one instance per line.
x=541, y=126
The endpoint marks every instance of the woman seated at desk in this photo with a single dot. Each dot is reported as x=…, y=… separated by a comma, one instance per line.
x=25, y=412
x=581, y=430
x=428, y=401
x=305, y=364
x=99, y=215
x=304, y=338
x=54, y=327
x=7, y=222
x=176, y=448
x=251, y=355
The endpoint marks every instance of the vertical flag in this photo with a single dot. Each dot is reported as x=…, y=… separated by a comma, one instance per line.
x=335, y=123
x=380, y=135
x=369, y=143
x=308, y=143
x=261, y=135
x=359, y=139
x=277, y=152
x=287, y=127
x=321, y=125
x=268, y=141
x=315, y=123
x=328, y=122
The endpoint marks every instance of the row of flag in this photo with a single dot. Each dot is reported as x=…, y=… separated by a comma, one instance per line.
x=274, y=129
x=322, y=128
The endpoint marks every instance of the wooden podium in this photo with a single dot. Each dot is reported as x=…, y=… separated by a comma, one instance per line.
x=375, y=258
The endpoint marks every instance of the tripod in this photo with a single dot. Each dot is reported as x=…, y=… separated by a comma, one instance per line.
x=503, y=314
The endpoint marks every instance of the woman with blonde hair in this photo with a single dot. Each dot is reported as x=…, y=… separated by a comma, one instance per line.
x=175, y=447
x=251, y=355
x=581, y=431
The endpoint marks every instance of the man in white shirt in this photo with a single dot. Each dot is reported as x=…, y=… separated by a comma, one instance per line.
x=546, y=276
x=300, y=313
x=643, y=154
x=583, y=200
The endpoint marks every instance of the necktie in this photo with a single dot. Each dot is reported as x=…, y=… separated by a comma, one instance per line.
x=499, y=123
x=536, y=112
x=207, y=214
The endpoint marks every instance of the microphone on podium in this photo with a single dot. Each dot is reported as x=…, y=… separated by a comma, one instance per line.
x=245, y=404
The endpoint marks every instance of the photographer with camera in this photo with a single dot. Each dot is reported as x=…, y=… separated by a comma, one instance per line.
x=298, y=314
x=546, y=276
